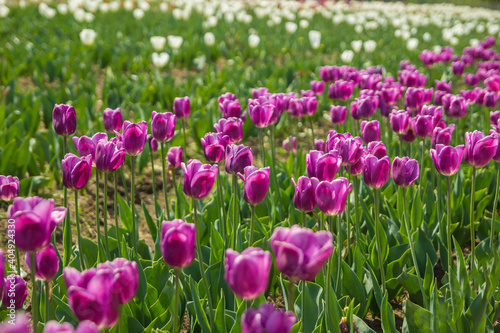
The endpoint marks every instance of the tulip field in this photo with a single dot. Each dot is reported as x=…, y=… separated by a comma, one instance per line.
x=249, y=166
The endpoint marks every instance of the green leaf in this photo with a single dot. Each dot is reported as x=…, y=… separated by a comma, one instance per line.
x=149, y=220
x=417, y=319
x=200, y=312
x=416, y=212
x=313, y=306
x=125, y=213
x=387, y=316
x=354, y=288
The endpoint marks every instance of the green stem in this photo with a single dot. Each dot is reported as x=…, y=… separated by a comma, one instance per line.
x=252, y=225
x=494, y=212
x=422, y=170
x=47, y=299
x=356, y=205
x=163, y=175
x=273, y=167
x=379, y=243
x=97, y=222
x=471, y=219
x=448, y=224
x=34, y=294
x=221, y=207
x=124, y=184
x=412, y=249
x=105, y=213
x=132, y=204
x=340, y=244
x=67, y=222
x=304, y=219
x=348, y=220
x=185, y=139
x=303, y=299
x=79, y=235
x=235, y=210
x=312, y=132
x=261, y=146
x=178, y=202
x=291, y=295
x=153, y=183
x=115, y=212
x=202, y=265
x=176, y=306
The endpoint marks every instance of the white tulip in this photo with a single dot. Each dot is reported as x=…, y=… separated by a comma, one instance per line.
x=160, y=59
x=427, y=37
x=79, y=15
x=177, y=12
x=412, y=44
x=138, y=14
x=4, y=11
x=144, y=5
x=104, y=7
x=158, y=42
x=128, y=5
x=229, y=17
x=357, y=45
x=114, y=6
x=304, y=24
x=291, y=27
x=87, y=36
x=347, y=56
x=164, y=7
x=89, y=17
x=253, y=40
x=62, y=8
x=369, y=46
x=209, y=39
x=474, y=42
x=358, y=28
x=175, y=42
x=315, y=38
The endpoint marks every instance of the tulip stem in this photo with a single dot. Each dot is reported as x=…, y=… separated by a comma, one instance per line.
x=132, y=204
x=47, y=299
x=65, y=200
x=303, y=299
x=252, y=225
x=235, y=209
x=124, y=183
x=412, y=249
x=67, y=222
x=18, y=262
x=79, y=239
x=261, y=144
x=34, y=293
x=176, y=306
x=178, y=202
x=273, y=167
x=471, y=219
x=185, y=139
x=448, y=224
x=163, y=175
x=97, y=222
x=494, y=212
x=304, y=219
x=105, y=213
x=348, y=220
x=153, y=184
x=202, y=265
x=379, y=243
x=221, y=208
x=422, y=170
x=356, y=205
x=115, y=211
x=312, y=132
x=340, y=244
x=291, y=295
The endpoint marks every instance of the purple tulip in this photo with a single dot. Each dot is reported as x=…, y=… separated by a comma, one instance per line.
x=306, y=93
x=323, y=166
x=152, y=143
x=436, y=112
x=46, y=263
x=163, y=126
x=442, y=135
x=252, y=262
x=301, y=253
x=113, y=120
x=214, y=146
x=85, y=145
x=174, y=157
x=9, y=188
x=126, y=278
x=2, y=271
x=134, y=137
x=492, y=83
x=286, y=144
x=109, y=155
x=199, y=178
x=182, y=107
x=20, y=324
x=457, y=67
x=479, y=149
x=457, y=107
x=341, y=90
x=232, y=127
x=35, y=220
x=76, y=171
x=447, y=159
x=15, y=292
x=338, y=114
x=364, y=108
x=400, y=121
x=349, y=149
x=331, y=196
x=438, y=97
x=238, y=158
x=178, y=243
x=304, y=198
x=490, y=99
x=494, y=117
x=85, y=326
x=414, y=98
x=317, y=87
x=267, y=319
x=64, y=119
x=230, y=108
x=376, y=172
x=296, y=108
x=259, y=92
x=443, y=86
x=370, y=131
x=404, y=171
x=260, y=112
x=376, y=148
x=319, y=144
x=471, y=79
x=409, y=135
x=422, y=125
x=256, y=184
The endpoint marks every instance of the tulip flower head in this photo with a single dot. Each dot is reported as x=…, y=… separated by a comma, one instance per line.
x=76, y=171
x=47, y=263
x=178, y=243
x=400, y=121
x=338, y=114
x=267, y=319
x=9, y=188
x=232, y=127
x=370, y=131
x=290, y=141
x=423, y=125
x=64, y=119
x=331, y=196
x=85, y=145
x=479, y=149
x=238, y=158
x=182, y=107
x=85, y=326
x=15, y=292
x=199, y=179
x=174, y=157
x=126, y=278
x=256, y=184
x=447, y=159
x=304, y=198
x=404, y=171
x=442, y=135
x=113, y=119
x=214, y=146
x=109, y=155
x=163, y=126
x=134, y=137
x=323, y=166
x=376, y=172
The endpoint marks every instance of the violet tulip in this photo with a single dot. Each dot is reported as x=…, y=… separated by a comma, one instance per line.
x=319, y=145
x=317, y=87
x=126, y=280
x=323, y=166
x=260, y=113
x=370, y=131
x=85, y=326
x=174, y=157
x=267, y=319
x=376, y=148
x=341, y=90
x=350, y=149
x=152, y=143
x=36, y=219
x=490, y=99
x=331, y=196
x=404, y=171
x=178, y=243
x=447, y=159
x=199, y=178
x=422, y=125
x=286, y=144
x=443, y=86
x=256, y=184
x=232, y=127
x=457, y=108
x=304, y=198
x=259, y=92
x=238, y=158
x=230, y=108
x=376, y=172
x=494, y=117
x=457, y=67
x=400, y=121
x=252, y=262
x=134, y=137
x=113, y=120
x=182, y=107
x=479, y=149
x=163, y=126
x=301, y=253
x=338, y=114
x=20, y=324
x=214, y=146
x=9, y=188
x=15, y=292
x=46, y=263
x=364, y=108
x=109, y=155
x=85, y=145
x=442, y=135
x=64, y=119
x=76, y=171
x=409, y=135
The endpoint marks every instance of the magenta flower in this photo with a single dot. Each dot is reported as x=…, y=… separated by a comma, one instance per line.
x=304, y=198
x=317, y=87
x=230, y=108
x=414, y=98
x=490, y=99
x=319, y=144
x=259, y=92
x=252, y=262
x=443, y=86
x=376, y=172
x=134, y=137
x=163, y=126
x=442, y=135
x=2, y=271
x=256, y=184
x=370, y=131
x=376, y=148
x=113, y=120
x=64, y=119
x=307, y=93
x=178, y=243
x=338, y=114
x=198, y=178
x=36, y=219
x=9, y=188
x=267, y=319
x=260, y=113
x=232, y=127
x=457, y=107
x=286, y=144
x=301, y=253
x=174, y=157
x=323, y=166
x=109, y=155
x=331, y=196
x=400, y=121
x=409, y=135
x=422, y=125
x=46, y=263
x=479, y=149
x=457, y=67
x=152, y=143
x=404, y=171
x=492, y=83
x=85, y=326
x=364, y=108
x=126, y=280
x=494, y=117
x=238, y=158
x=15, y=292
x=349, y=149
x=85, y=145
x=182, y=107
x=76, y=171
x=447, y=159
x=341, y=90
x=214, y=146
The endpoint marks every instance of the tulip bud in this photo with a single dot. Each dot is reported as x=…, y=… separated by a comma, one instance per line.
x=256, y=184
x=178, y=243
x=15, y=292
x=305, y=190
x=76, y=171
x=232, y=127
x=479, y=149
x=46, y=263
x=109, y=155
x=259, y=92
x=134, y=137
x=230, y=108
x=376, y=172
x=9, y=189
x=237, y=158
x=457, y=67
x=317, y=87
x=370, y=131
x=442, y=135
x=364, y=108
x=331, y=196
x=126, y=278
x=319, y=145
x=163, y=126
x=338, y=114
x=290, y=141
x=64, y=119
x=323, y=166
x=113, y=119
x=400, y=121
x=199, y=179
x=267, y=319
x=447, y=159
x=153, y=144
x=422, y=125
x=376, y=148
x=404, y=171
x=174, y=157
x=182, y=107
